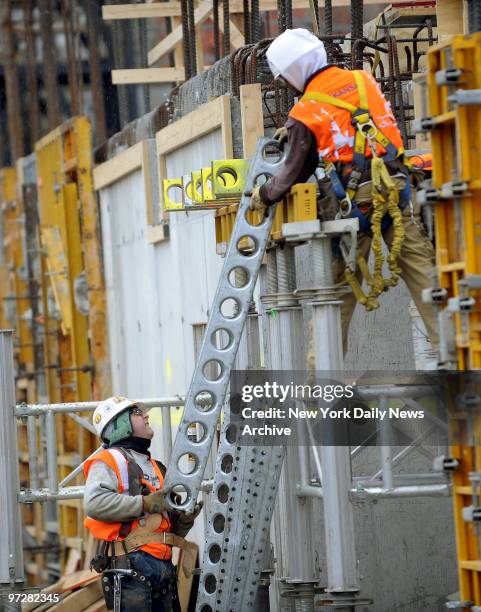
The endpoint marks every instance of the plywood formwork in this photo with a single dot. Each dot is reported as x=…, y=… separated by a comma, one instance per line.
x=76, y=354
x=456, y=142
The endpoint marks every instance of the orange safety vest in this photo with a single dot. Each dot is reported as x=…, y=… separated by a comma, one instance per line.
x=422, y=161
x=110, y=531
x=332, y=124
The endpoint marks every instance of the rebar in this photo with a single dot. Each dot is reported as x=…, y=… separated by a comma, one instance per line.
x=184, y=12
x=247, y=22
x=191, y=41
x=96, y=82
x=15, y=125
x=50, y=63
x=255, y=21
x=32, y=83
x=226, y=18
x=215, y=11
x=72, y=71
x=357, y=33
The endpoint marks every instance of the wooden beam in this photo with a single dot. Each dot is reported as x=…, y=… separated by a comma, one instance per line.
x=252, y=119
x=200, y=14
x=119, y=166
x=237, y=6
x=141, y=11
x=147, y=75
x=236, y=37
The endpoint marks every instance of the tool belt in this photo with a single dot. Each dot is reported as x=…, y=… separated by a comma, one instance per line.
x=145, y=533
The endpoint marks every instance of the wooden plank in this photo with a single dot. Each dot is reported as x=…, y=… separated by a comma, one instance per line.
x=252, y=119
x=236, y=37
x=141, y=11
x=237, y=6
x=185, y=587
x=449, y=17
x=147, y=75
x=168, y=43
x=98, y=606
x=81, y=599
x=205, y=119
x=114, y=169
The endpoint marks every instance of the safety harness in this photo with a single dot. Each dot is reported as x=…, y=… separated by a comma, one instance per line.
x=385, y=196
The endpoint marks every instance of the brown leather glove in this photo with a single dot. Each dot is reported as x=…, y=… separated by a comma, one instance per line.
x=185, y=521
x=256, y=202
x=281, y=135
x=154, y=503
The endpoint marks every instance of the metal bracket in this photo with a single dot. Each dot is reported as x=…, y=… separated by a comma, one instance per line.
x=445, y=464
x=448, y=76
x=461, y=304
x=466, y=97
x=453, y=189
x=434, y=295
x=425, y=124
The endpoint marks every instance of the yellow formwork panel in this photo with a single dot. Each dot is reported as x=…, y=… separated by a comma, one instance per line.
x=15, y=296
x=456, y=144
x=65, y=157
x=299, y=205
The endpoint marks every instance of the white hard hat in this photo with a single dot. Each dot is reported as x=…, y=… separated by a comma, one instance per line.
x=107, y=410
x=296, y=55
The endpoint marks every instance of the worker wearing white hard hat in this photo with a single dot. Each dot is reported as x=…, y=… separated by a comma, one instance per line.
x=126, y=511
x=324, y=128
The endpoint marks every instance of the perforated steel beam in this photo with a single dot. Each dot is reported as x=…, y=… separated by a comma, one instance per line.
x=228, y=315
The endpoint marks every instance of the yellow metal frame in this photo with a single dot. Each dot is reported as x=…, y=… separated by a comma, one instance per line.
x=456, y=143
x=77, y=343
x=298, y=205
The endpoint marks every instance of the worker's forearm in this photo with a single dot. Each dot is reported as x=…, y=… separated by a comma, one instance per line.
x=102, y=500
x=299, y=165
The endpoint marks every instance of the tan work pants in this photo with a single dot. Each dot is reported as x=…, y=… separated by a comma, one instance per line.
x=416, y=260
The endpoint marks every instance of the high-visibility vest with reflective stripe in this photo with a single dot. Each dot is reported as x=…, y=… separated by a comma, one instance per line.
x=332, y=125
x=110, y=531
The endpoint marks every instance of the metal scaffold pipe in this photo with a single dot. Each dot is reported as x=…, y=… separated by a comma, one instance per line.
x=37, y=409
x=11, y=553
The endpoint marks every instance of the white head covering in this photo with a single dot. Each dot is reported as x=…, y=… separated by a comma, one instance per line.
x=296, y=55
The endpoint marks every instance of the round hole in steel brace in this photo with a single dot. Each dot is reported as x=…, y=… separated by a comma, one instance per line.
x=272, y=152
x=247, y=246
x=206, y=609
x=197, y=432
x=262, y=178
x=179, y=495
x=238, y=277
x=218, y=523
x=226, y=464
x=214, y=553
x=213, y=370
x=210, y=583
x=230, y=308
x=222, y=339
x=231, y=434
x=187, y=463
x=223, y=493
x=204, y=401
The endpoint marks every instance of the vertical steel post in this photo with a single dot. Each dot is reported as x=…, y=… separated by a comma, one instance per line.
x=385, y=448
x=322, y=311
x=11, y=553
x=284, y=351
x=166, y=433
x=51, y=435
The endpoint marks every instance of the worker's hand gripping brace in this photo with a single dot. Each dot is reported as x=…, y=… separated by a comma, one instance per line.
x=281, y=136
x=256, y=202
x=154, y=503
x=185, y=521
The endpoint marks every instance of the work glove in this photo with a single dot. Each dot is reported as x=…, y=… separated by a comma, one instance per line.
x=154, y=503
x=281, y=135
x=185, y=520
x=256, y=202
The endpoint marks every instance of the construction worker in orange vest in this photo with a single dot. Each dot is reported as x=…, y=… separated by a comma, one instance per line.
x=126, y=513
x=341, y=118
